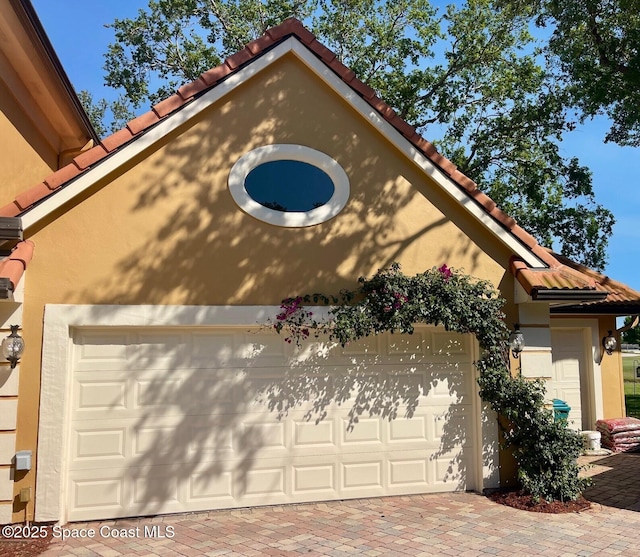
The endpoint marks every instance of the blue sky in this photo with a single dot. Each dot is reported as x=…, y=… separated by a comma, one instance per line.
x=76, y=29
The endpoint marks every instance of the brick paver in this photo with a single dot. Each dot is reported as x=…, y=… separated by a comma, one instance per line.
x=457, y=524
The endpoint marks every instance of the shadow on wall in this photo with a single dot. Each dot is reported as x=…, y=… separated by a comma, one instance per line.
x=202, y=249
x=219, y=415
x=200, y=415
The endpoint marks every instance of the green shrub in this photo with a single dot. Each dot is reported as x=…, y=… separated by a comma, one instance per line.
x=546, y=451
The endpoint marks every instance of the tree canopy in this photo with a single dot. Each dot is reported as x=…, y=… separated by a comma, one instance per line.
x=472, y=78
x=597, y=43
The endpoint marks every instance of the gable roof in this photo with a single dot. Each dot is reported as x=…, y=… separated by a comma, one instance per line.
x=57, y=182
x=61, y=186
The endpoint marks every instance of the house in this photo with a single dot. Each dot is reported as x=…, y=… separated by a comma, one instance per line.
x=148, y=384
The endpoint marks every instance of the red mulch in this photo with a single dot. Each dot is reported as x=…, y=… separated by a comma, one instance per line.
x=519, y=500
x=24, y=548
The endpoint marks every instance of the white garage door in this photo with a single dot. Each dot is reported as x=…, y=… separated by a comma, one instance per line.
x=185, y=419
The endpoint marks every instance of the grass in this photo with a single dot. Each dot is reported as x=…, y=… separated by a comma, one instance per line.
x=631, y=386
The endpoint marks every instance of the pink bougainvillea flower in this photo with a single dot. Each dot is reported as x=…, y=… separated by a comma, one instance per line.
x=445, y=271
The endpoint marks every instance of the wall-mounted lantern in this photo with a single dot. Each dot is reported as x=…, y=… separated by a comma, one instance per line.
x=609, y=343
x=516, y=341
x=13, y=346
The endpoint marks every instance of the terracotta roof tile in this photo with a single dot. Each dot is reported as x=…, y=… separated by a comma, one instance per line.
x=501, y=216
x=190, y=90
x=169, y=105
x=526, y=238
x=32, y=195
x=211, y=77
x=367, y=92
x=402, y=126
x=619, y=293
x=484, y=200
x=558, y=278
x=62, y=176
x=542, y=254
x=10, y=210
x=143, y=121
x=214, y=75
x=236, y=60
x=346, y=74
x=115, y=140
x=306, y=36
x=287, y=27
x=322, y=51
x=258, y=45
x=85, y=159
x=426, y=147
x=14, y=266
x=382, y=107
x=444, y=163
x=606, y=296
x=466, y=182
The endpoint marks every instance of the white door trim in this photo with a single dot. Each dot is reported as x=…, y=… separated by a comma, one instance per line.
x=59, y=320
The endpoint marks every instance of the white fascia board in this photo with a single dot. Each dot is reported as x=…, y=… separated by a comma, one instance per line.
x=164, y=127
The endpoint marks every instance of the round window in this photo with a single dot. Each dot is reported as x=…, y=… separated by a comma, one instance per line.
x=289, y=185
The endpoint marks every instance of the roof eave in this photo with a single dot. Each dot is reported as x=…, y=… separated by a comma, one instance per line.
x=554, y=294
x=615, y=309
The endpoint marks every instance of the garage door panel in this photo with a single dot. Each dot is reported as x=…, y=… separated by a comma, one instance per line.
x=224, y=418
x=95, y=396
x=90, y=495
x=99, y=444
x=236, y=348
x=158, y=350
x=450, y=345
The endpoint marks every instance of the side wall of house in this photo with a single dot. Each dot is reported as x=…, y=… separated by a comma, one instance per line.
x=165, y=230
x=612, y=374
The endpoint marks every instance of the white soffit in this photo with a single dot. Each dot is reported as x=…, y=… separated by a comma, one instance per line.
x=148, y=138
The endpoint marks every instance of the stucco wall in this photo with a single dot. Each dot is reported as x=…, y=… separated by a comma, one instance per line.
x=612, y=377
x=25, y=158
x=165, y=230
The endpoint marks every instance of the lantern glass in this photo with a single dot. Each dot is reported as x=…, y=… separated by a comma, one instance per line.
x=609, y=342
x=516, y=341
x=13, y=346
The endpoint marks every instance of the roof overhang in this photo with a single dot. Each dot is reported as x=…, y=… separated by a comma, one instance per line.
x=552, y=294
x=32, y=71
x=603, y=308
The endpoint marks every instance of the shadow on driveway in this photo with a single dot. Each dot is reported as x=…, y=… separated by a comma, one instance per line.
x=616, y=480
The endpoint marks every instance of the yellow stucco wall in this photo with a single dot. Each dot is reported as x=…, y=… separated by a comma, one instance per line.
x=165, y=230
x=25, y=158
x=612, y=377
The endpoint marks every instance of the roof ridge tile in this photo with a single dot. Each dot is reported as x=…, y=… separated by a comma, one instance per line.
x=85, y=159
x=239, y=58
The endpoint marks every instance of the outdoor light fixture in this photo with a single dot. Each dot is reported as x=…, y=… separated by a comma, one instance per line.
x=516, y=341
x=13, y=346
x=609, y=343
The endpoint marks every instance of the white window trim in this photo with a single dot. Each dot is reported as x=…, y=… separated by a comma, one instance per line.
x=291, y=219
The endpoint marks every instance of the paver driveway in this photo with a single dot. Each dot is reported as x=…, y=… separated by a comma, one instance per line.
x=463, y=524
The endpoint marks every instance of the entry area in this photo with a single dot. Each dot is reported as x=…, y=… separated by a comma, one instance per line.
x=575, y=375
x=177, y=419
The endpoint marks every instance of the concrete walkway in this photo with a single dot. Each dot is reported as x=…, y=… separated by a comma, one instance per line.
x=462, y=524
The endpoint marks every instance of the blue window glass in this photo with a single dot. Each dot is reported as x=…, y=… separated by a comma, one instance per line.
x=289, y=186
